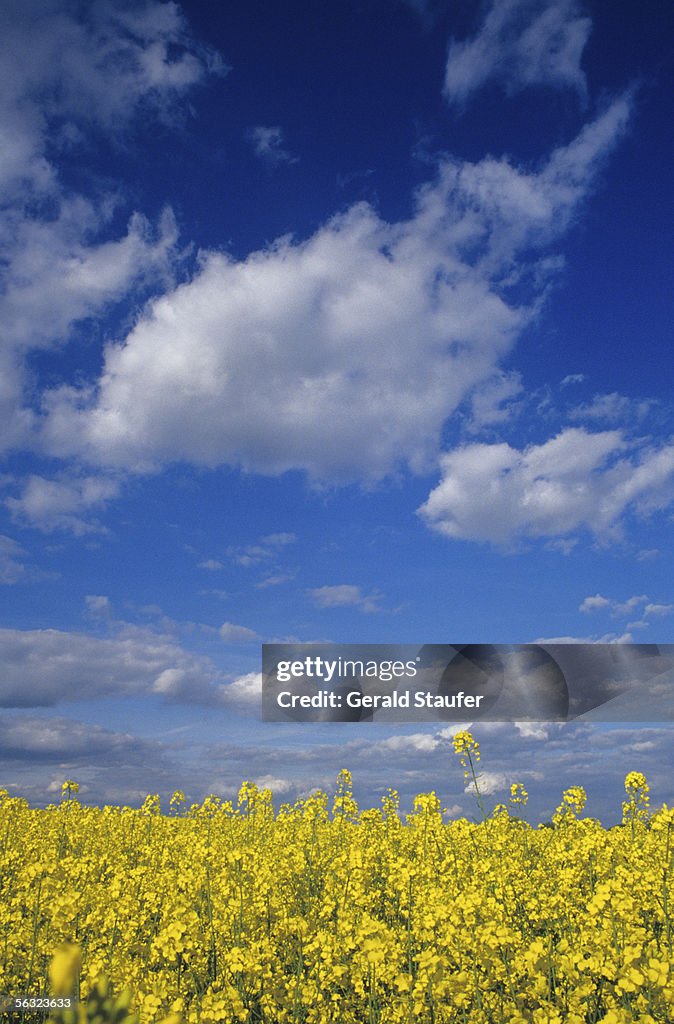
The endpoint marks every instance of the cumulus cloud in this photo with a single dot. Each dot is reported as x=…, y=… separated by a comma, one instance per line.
x=98, y=605
x=267, y=143
x=539, y=731
x=344, y=595
x=61, y=504
x=243, y=693
x=278, y=540
x=521, y=43
x=277, y=786
x=642, y=746
x=576, y=481
x=420, y=743
x=12, y=567
x=58, y=272
x=591, y=604
x=489, y=783
x=344, y=354
x=250, y=555
x=606, y=638
x=68, y=72
x=658, y=609
x=623, y=609
x=612, y=408
x=496, y=400
x=38, y=753
x=274, y=580
x=263, y=550
x=35, y=740
x=43, y=668
x=232, y=633
x=98, y=65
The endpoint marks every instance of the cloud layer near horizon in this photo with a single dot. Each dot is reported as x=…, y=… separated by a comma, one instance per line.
x=47, y=667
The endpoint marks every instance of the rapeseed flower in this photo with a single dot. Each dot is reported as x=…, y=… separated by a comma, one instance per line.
x=233, y=913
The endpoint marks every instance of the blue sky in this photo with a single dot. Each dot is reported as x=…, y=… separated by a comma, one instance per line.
x=326, y=322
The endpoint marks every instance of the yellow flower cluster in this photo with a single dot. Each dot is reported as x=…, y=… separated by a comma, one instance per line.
x=518, y=794
x=320, y=914
x=465, y=745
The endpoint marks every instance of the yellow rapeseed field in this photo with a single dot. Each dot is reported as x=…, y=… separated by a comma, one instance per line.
x=323, y=913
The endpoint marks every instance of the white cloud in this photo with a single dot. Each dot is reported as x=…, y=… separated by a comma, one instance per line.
x=591, y=604
x=563, y=544
x=68, y=72
x=243, y=693
x=612, y=408
x=277, y=786
x=576, y=481
x=274, y=580
x=253, y=554
x=572, y=378
x=62, y=70
x=12, y=568
x=34, y=740
x=658, y=609
x=454, y=811
x=342, y=355
x=50, y=505
x=59, y=272
x=278, y=540
x=231, y=633
x=533, y=730
x=623, y=609
x=448, y=732
x=606, y=638
x=493, y=401
x=42, y=668
x=223, y=595
x=266, y=548
x=344, y=595
x=268, y=145
x=489, y=783
x=211, y=565
x=521, y=43
x=170, y=683
x=420, y=742
x=98, y=605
